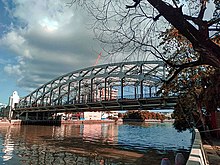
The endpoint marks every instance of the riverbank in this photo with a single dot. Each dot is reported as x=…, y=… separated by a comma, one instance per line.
x=149, y=120
x=86, y=121
x=6, y=122
x=212, y=149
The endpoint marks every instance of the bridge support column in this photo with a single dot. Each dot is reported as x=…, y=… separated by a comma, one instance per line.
x=141, y=88
x=141, y=82
x=43, y=115
x=135, y=92
x=110, y=92
x=105, y=88
x=122, y=88
x=26, y=116
x=59, y=98
x=91, y=91
x=68, y=93
x=48, y=115
x=79, y=92
x=37, y=116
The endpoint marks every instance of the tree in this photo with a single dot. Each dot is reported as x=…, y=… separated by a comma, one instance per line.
x=188, y=111
x=201, y=83
x=185, y=113
x=142, y=115
x=211, y=97
x=134, y=29
x=199, y=37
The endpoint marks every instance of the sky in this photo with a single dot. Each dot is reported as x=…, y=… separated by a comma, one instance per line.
x=39, y=41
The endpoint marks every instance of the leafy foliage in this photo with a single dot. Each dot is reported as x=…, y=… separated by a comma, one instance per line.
x=144, y=29
x=183, y=112
x=142, y=115
x=196, y=85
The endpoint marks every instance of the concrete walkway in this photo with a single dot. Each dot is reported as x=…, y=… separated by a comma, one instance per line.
x=212, y=149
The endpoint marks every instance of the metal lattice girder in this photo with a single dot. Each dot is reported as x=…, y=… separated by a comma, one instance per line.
x=89, y=84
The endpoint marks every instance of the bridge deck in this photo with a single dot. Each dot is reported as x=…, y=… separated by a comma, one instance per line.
x=107, y=105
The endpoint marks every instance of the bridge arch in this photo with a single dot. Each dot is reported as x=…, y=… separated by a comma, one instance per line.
x=126, y=80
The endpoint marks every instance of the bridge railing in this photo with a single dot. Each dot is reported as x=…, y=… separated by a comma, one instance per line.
x=94, y=100
x=197, y=154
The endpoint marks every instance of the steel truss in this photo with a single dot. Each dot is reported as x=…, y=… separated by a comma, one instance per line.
x=103, y=83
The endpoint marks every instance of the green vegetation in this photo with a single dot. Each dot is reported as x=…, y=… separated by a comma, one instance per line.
x=198, y=86
x=142, y=115
x=177, y=33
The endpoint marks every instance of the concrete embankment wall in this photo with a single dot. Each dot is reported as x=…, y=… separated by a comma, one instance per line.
x=52, y=122
x=197, y=155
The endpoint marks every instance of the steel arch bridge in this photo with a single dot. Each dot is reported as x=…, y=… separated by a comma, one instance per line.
x=117, y=86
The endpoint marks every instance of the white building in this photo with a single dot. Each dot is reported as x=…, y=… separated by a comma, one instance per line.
x=92, y=115
x=13, y=101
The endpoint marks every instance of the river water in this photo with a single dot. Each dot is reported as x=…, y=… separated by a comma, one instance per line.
x=94, y=144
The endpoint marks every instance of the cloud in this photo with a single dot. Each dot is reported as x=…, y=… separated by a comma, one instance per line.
x=3, y=61
x=13, y=69
x=16, y=43
x=46, y=39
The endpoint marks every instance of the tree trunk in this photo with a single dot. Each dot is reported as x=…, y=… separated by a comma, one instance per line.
x=209, y=51
x=199, y=109
x=211, y=108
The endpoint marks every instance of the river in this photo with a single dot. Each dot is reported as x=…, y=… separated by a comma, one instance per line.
x=92, y=144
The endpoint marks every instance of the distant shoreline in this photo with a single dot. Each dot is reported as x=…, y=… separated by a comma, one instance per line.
x=5, y=122
x=148, y=120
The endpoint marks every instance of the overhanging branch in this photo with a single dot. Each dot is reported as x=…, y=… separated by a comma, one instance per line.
x=213, y=21
x=202, y=10
x=179, y=68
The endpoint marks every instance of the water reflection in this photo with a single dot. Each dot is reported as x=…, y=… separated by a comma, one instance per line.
x=8, y=146
x=92, y=144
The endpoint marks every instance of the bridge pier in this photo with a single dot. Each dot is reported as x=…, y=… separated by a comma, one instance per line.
x=43, y=116
x=40, y=118
x=26, y=116
x=37, y=116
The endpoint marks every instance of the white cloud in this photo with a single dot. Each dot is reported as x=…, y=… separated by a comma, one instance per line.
x=13, y=69
x=16, y=43
x=47, y=39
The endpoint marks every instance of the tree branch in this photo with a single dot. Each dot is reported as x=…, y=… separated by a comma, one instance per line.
x=213, y=21
x=180, y=68
x=202, y=10
x=157, y=17
x=198, y=38
x=194, y=19
x=174, y=2
x=137, y=2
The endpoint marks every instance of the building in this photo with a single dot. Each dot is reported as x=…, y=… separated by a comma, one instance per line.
x=111, y=94
x=13, y=102
x=2, y=109
x=92, y=115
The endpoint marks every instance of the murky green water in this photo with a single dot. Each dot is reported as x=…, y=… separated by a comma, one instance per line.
x=92, y=144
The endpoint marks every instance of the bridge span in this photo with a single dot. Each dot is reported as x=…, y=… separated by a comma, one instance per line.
x=110, y=105
x=117, y=86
